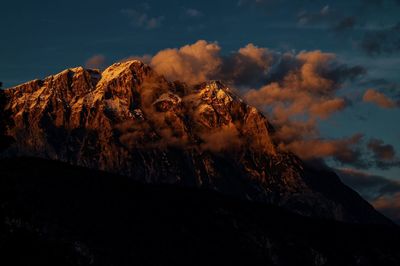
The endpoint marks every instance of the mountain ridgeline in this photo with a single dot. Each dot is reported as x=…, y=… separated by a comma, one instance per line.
x=131, y=121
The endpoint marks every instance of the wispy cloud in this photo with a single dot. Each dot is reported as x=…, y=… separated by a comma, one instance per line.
x=192, y=13
x=96, y=61
x=325, y=14
x=142, y=19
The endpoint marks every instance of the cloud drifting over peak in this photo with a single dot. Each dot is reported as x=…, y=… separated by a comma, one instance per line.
x=190, y=63
x=295, y=90
x=203, y=60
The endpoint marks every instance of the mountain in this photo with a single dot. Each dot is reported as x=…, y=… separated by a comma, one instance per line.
x=52, y=213
x=131, y=121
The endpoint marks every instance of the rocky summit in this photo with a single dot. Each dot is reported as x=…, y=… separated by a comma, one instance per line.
x=131, y=121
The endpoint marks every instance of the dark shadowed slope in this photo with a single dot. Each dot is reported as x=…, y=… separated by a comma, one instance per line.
x=56, y=214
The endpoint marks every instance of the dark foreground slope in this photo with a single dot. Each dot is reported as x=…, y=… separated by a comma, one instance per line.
x=55, y=214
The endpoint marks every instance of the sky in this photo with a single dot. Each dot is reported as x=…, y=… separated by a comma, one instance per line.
x=337, y=62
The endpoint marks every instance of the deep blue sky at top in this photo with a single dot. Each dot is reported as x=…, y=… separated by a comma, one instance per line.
x=39, y=38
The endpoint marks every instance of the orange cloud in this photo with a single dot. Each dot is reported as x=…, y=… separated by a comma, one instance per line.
x=325, y=108
x=190, y=63
x=378, y=98
x=257, y=54
x=343, y=150
x=303, y=91
x=202, y=61
x=309, y=76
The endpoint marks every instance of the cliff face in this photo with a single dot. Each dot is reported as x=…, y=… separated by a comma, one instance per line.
x=130, y=120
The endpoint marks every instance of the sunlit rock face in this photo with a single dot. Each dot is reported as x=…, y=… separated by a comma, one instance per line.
x=132, y=121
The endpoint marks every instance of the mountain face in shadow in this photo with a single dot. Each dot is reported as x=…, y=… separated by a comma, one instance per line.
x=131, y=121
x=52, y=213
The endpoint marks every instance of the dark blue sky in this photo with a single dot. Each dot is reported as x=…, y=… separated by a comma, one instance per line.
x=39, y=38
x=42, y=36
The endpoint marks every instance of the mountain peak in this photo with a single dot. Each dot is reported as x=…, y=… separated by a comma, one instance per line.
x=218, y=90
x=132, y=121
x=115, y=70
